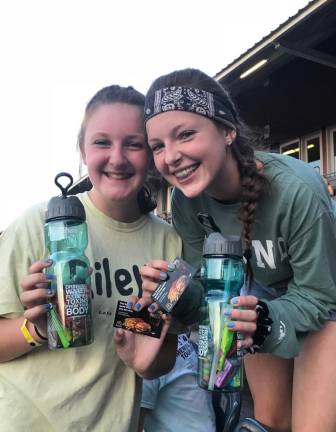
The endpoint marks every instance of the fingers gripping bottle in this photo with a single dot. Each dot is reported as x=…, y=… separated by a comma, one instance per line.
x=220, y=363
x=65, y=231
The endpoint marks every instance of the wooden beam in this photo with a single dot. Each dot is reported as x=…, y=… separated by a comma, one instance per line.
x=306, y=53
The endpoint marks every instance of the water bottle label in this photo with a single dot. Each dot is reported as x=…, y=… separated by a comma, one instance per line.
x=220, y=362
x=70, y=319
x=76, y=300
x=203, y=344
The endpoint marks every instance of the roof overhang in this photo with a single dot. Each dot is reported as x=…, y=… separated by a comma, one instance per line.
x=297, y=37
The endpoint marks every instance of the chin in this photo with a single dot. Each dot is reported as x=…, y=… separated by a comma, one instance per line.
x=191, y=191
x=120, y=195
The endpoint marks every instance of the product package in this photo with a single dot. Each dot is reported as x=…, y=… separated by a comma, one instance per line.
x=137, y=322
x=169, y=292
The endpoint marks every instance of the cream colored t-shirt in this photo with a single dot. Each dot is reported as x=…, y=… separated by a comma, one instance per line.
x=82, y=389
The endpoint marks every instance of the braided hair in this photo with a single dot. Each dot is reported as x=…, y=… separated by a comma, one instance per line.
x=253, y=182
x=117, y=94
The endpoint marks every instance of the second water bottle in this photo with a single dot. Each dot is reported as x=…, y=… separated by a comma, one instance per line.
x=220, y=365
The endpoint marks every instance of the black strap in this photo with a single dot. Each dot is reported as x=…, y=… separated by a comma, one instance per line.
x=39, y=334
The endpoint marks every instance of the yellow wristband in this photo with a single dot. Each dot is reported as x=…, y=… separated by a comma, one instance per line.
x=26, y=334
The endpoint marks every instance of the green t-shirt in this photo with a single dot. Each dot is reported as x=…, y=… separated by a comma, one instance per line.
x=82, y=389
x=294, y=245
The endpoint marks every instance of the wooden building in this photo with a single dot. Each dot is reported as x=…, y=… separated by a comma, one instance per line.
x=285, y=86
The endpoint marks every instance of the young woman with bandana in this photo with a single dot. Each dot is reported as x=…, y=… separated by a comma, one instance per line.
x=281, y=208
x=94, y=387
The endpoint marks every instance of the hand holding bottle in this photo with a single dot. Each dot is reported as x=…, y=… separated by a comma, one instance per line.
x=242, y=318
x=35, y=295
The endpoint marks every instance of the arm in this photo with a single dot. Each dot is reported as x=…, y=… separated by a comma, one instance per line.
x=308, y=230
x=12, y=342
x=165, y=359
x=311, y=296
x=311, y=293
x=192, y=234
x=20, y=245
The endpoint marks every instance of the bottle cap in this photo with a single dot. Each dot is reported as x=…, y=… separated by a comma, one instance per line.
x=65, y=207
x=217, y=244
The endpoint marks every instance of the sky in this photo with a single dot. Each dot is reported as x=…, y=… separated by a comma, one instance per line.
x=55, y=54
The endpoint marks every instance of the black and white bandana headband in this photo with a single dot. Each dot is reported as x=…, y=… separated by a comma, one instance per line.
x=188, y=99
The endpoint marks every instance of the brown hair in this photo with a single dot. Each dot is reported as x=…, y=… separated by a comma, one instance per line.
x=117, y=94
x=252, y=181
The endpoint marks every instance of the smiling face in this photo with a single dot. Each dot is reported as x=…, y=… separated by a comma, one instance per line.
x=193, y=154
x=115, y=152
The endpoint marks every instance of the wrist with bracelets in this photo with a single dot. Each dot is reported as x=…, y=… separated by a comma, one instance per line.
x=39, y=334
x=264, y=327
x=28, y=336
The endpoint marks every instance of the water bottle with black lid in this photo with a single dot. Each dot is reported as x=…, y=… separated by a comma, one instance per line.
x=66, y=238
x=220, y=363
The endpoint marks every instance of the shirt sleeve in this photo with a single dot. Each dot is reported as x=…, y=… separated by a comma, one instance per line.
x=311, y=294
x=21, y=244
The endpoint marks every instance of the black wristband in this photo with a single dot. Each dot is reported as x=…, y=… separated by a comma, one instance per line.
x=264, y=327
x=39, y=334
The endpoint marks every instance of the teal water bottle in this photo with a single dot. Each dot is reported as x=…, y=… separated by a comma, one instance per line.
x=220, y=363
x=70, y=317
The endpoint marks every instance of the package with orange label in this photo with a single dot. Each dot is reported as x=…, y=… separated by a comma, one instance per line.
x=137, y=322
x=169, y=292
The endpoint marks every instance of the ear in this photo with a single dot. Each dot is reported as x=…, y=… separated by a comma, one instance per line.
x=230, y=136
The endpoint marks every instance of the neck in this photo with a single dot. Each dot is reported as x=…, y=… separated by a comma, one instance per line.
x=226, y=186
x=121, y=211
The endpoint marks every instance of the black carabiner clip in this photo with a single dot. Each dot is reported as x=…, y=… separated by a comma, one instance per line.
x=207, y=221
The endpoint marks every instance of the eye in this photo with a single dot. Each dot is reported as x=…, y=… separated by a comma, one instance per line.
x=156, y=147
x=185, y=135
x=102, y=142
x=135, y=145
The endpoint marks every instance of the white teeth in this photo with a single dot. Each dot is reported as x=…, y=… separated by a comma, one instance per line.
x=185, y=172
x=117, y=176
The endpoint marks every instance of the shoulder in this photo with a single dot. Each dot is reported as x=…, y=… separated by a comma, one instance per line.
x=164, y=236
x=159, y=224
x=294, y=180
x=21, y=244
x=289, y=169
x=30, y=220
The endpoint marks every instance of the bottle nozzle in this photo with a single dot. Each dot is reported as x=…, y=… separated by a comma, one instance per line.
x=64, y=189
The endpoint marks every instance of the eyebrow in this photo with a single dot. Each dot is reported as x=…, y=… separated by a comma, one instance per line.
x=172, y=132
x=128, y=136
x=136, y=136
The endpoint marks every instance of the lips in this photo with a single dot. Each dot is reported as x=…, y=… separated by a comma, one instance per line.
x=118, y=175
x=181, y=174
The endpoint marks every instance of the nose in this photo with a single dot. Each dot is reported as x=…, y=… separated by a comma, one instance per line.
x=172, y=154
x=117, y=155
